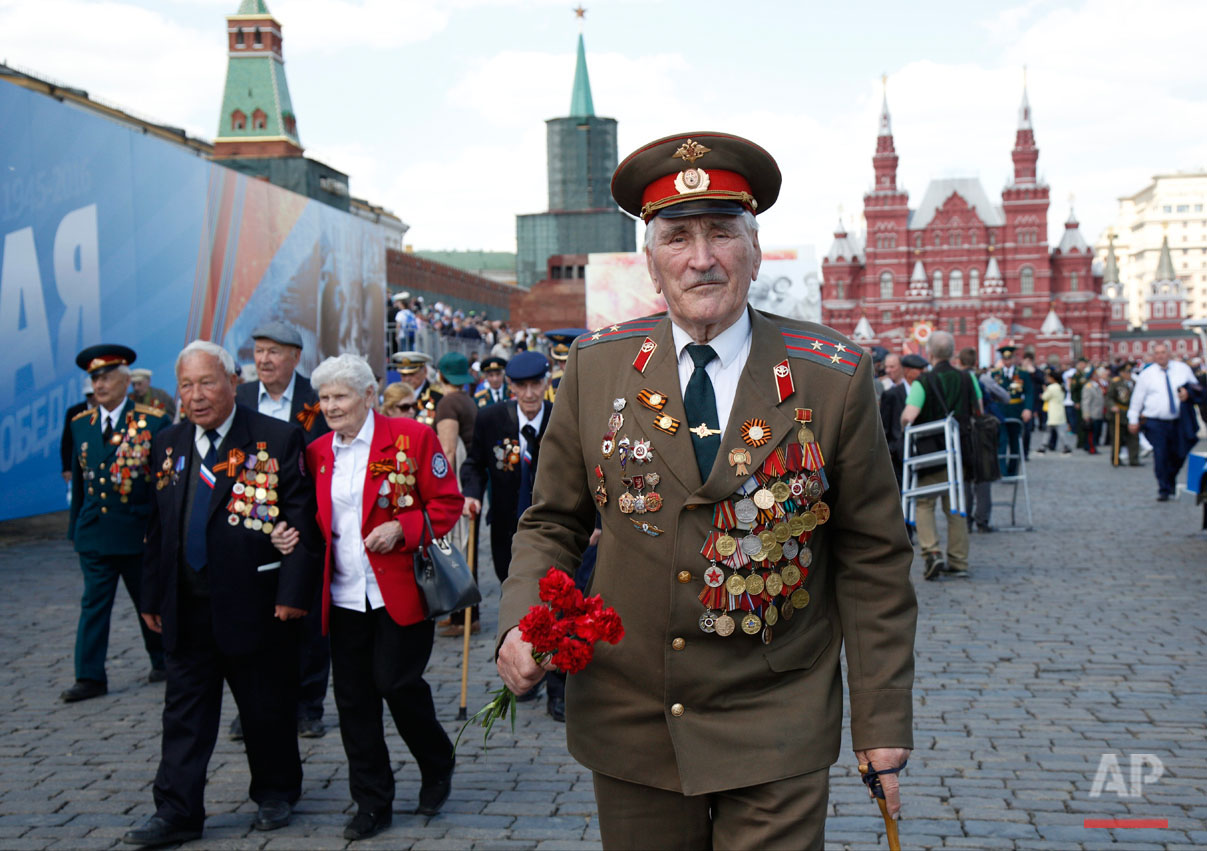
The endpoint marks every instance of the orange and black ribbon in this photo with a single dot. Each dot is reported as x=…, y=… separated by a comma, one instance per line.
x=234, y=460
x=307, y=415
x=382, y=468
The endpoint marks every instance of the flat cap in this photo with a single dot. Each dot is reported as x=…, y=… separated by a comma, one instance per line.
x=454, y=366
x=408, y=362
x=141, y=373
x=526, y=366
x=278, y=332
x=103, y=357
x=914, y=361
x=721, y=173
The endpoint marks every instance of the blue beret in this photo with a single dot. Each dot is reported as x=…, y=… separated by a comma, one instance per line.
x=527, y=365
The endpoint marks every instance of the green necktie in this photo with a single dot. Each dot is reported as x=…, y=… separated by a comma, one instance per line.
x=700, y=404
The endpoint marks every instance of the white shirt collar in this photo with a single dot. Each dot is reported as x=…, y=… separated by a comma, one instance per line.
x=365, y=436
x=287, y=396
x=728, y=344
x=115, y=415
x=535, y=422
x=199, y=432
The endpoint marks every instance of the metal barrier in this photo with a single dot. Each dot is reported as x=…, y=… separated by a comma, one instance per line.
x=437, y=345
x=951, y=457
x=1013, y=456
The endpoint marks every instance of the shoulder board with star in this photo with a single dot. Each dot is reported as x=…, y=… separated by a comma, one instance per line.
x=87, y=412
x=620, y=331
x=150, y=410
x=481, y=394
x=816, y=346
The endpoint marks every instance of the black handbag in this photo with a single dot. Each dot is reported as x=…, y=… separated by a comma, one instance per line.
x=443, y=577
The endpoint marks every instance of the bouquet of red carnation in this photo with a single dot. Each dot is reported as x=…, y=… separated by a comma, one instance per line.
x=563, y=631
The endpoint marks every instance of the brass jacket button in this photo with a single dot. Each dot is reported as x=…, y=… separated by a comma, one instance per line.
x=676, y=709
x=685, y=576
x=678, y=644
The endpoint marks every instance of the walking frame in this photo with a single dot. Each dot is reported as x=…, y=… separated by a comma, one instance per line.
x=1014, y=452
x=950, y=456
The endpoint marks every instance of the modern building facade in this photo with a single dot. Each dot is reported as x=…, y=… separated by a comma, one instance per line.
x=962, y=263
x=582, y=218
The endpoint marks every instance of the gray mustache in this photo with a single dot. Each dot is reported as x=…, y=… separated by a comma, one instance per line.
x=710, y=278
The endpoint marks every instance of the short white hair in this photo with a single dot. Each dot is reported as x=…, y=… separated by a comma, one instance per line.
x=752, y=227
x=350, y=370
x=205, y=347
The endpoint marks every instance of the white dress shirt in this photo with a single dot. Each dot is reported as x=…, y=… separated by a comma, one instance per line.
x=114, y=418
x=203, y=443
x=353, y=580
x=277, y=408
x=1150, y=399
x=535, y=422
x=733, y=348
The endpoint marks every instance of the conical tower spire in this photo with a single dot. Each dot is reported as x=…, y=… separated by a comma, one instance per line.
x=1025, y=153
x=884, y=162
x=1165, y=270
x=1024, y=108
x=1111, y=274
x=581, y=104
x=886, y=122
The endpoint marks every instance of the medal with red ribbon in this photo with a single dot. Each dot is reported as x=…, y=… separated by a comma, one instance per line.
x=644, y=354
x=783, y=379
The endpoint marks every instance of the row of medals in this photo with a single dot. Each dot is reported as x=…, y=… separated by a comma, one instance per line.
x=641, y=453
x=395, y=490
x=133, y=456
x=779, y=554
x=254, y=495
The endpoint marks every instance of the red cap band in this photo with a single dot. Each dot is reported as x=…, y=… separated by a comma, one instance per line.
x=723, y=184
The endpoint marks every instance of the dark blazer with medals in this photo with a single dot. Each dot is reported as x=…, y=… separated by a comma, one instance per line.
x=493, y=460
x=248, y=577
x=675, y=707
x=303, y=407
x=111, y=481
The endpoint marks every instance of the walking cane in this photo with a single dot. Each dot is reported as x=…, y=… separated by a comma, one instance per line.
x=472, y=546
x=871, y=777
x=1115, y=453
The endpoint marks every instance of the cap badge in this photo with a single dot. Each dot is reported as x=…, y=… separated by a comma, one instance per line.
x=690, y=151
x=691, y=179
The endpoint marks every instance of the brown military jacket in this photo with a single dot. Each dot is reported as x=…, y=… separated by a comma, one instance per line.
x=672, y=706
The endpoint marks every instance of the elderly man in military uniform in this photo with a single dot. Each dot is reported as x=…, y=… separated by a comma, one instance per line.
x=560, y=341
x=1017, y=382
x=285, y=394
x=142, y=393
x=496, y=389
x=1118, y=398
x=412, y=370
x=110, y=504
x=750, y=527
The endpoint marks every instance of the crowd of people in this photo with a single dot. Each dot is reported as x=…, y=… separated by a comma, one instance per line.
x=1124, y=410
x=415, y=322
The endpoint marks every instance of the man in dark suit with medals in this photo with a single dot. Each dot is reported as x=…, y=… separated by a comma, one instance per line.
x=285, y=394
x=496, y=389
x=226, y=602
x=110, y=497
x=504, y=453
x=772, y=536
x=1017, y=382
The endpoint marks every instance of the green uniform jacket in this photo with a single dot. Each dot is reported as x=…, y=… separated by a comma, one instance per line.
x=1018, y=385
x=723, y=712
x=111, y=482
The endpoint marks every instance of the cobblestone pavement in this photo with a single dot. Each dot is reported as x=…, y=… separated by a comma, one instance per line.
x=1082, y=638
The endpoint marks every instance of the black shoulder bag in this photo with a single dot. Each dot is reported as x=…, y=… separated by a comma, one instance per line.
x=443, y=577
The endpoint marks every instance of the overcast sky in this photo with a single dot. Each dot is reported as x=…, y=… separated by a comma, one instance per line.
x=436, y=108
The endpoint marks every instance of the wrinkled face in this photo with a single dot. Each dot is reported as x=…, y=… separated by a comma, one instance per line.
x=530, y=394
x=110, y=388
x=911, y=373
x=207, y=393
x=416, y=378
x=275, y=363
x=703, y=266
x=140, y=385
x=1160, y=355
x=494, y=378
x=344, y=409
x=892, y=368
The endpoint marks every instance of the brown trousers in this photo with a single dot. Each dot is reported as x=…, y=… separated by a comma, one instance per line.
x=789, y=813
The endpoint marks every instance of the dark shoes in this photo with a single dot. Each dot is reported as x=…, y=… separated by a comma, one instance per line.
x=156, y=831
x=157, y=675
x=1161, y=497
x=532, y=693
x=557, y=708
x=273, y=815
x=433, y=793
x=934, y=564
x=84, y=690
x=235, y=733
x=311, y=728
x=368, y=823
x=985, y=528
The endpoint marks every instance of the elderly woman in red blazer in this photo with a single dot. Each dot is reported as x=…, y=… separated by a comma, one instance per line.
x=374, y=477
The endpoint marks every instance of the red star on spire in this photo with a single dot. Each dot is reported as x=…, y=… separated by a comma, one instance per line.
x=580, y=12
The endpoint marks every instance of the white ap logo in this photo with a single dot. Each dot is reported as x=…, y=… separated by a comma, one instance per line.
x=1110, y=778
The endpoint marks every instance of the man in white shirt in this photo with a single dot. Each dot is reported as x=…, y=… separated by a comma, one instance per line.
x=1155, y=410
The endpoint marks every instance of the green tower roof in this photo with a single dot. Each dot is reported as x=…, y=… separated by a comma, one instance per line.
x=253, y=7
x=581, y=105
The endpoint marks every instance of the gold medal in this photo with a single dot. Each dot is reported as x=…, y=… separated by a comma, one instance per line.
x=752, y=624
x=274, y=511
x=771, y=616
x=796, y=526
x=266, y=528
x=627, y=503
x=775, y=553
x=261, y=494
x=787, y=609
x=781, y=532
x=763, y=498
x=392, y=478
x=273, y=478
x=247, y=523
x=754, y=584
x=724, y=625
x=781, y=491
x=262, y=455
x=790, y=575
x=773, y=584
x=240, y=506
x=805, y=435
x=800, y=598
x=726, y=545
x=271, y=496
x=809, y=519
x=766, y=538
x=735, y=585
x=761, y=555
x=822, y=512
x=261, y=479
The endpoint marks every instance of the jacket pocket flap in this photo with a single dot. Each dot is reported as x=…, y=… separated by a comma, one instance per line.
x=800, y=652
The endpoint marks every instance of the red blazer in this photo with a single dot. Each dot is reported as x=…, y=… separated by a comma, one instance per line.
x=435, y=489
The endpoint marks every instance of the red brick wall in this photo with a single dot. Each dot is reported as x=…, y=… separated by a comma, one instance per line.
x=406, y=271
